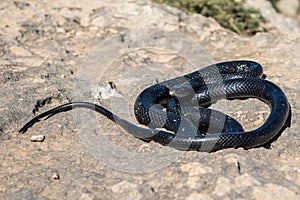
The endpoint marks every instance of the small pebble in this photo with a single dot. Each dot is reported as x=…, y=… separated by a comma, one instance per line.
x=37, y=138
x=55, y=176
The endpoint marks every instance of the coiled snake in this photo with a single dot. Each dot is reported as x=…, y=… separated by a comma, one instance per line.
x=180, y=106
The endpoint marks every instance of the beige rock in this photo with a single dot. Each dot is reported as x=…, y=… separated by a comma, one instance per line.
x=195, y=168
x=281, y=22
x=19, y=51
x=223, y=186
x=197, y=196
x=193, y=182
x=231, y=158
x=76, y=26
x=297, y=178
x=271, y=191
x=246, y=180
x=122, y=186
x=127, y=188
x=288, y=7
x=86, y=196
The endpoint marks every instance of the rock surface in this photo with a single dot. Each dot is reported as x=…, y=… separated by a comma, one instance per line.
x=289, y=7
x=44, y=48
x=282, y=22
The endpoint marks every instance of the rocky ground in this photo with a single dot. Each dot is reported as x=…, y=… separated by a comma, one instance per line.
x=55, y=49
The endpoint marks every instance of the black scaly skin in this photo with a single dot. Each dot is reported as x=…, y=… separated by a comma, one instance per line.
x=229, y=80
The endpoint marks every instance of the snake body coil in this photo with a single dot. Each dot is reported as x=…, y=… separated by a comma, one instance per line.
x=174, y=105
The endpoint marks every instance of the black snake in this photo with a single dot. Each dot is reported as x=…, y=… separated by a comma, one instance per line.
x=179, y=105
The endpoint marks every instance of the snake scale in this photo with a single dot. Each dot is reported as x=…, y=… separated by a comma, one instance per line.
x=175, y=112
